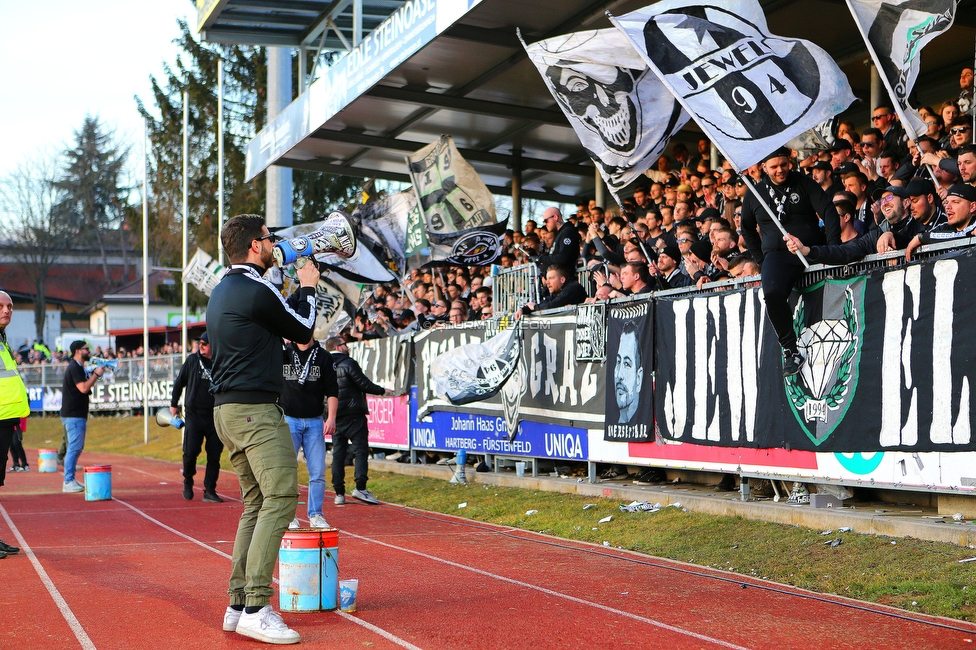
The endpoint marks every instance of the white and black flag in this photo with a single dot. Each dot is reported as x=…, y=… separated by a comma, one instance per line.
x=895, y=33
x=476, y=371
x=621, y=112
x=749, y=90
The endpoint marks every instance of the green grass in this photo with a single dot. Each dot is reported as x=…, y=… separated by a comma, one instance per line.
x=912, y=574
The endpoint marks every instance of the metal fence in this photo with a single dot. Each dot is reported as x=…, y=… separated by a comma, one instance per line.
x=161, y=368
x=513, y=287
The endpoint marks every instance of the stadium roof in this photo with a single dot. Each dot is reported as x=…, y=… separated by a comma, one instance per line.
x=456, y=67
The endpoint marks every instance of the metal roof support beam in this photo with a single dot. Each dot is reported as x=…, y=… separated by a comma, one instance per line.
x=264, y=37
x=377, y=142
x=284, y=5
x=357, y=22
x=321, y=23
x=359, y=172
x=476, y=106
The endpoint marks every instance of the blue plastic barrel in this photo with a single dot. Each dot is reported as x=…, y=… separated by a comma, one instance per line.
x=47, y=460
x=98, y=483
x=308, y=570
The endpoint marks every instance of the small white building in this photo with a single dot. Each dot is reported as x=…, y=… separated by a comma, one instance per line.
x=122, y=309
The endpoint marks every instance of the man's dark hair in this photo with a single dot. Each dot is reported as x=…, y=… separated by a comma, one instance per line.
x=630, y=327
x=75, y=346
x=845, y=207
x=739, y=260
x=861, y=178
x=619, y=221
x=931, y=141
x=961, y=120
x=238, y=233
x=640, y=268
x=480, y=291
x=424, y=302
x=873, y=131
x=966, y=148
x=890, y=155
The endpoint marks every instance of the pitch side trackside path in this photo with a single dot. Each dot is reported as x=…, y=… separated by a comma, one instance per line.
x=149, y=569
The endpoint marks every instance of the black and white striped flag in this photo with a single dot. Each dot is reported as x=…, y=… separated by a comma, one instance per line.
x=749, y=90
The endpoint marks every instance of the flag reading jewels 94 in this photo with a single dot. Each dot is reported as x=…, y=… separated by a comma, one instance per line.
x=751, y=91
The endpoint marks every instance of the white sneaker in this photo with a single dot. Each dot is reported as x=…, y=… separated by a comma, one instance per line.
x=72, y=486
x=231, y=617
x=340, y=500
x=365, y=497
x=294, y=524
x=317, y=521
x=266, y=625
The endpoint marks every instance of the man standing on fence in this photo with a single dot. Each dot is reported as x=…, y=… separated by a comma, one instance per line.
x=351, y=427
x=198, y=408
x=565, y=249
x=14, y=404
x=800, y=203
x=247, y=319
x=75, y=393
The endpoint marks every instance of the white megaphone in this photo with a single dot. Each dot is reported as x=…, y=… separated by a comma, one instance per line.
x=336, y=235
x=166, y=419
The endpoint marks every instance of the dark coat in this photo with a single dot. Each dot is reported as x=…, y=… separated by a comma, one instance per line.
x=353, y=386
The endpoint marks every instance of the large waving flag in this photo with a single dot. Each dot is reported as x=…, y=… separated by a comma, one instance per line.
x=895, y=33
x=620, y=111
x=749, y=90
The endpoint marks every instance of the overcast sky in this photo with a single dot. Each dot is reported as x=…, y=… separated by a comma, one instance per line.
x=63, y=59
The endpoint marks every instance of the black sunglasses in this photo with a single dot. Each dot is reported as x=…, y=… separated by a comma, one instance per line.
x=958, y=130
x=273, y=238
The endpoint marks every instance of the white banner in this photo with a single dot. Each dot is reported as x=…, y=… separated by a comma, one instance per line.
x=203, y=272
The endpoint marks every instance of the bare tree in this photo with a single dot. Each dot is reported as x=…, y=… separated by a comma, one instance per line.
x=32, y=228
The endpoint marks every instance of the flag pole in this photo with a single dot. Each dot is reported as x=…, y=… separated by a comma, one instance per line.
x=909, y=129
x=186, y=217
x=145, y=282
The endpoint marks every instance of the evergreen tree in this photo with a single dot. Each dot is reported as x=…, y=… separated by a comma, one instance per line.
x=94, y=199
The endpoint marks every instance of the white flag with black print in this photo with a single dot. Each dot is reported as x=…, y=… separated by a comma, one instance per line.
x=895, y=33
x=749, y=90
x=620, y=111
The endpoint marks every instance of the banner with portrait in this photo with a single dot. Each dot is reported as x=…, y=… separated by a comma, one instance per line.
x=629, y=390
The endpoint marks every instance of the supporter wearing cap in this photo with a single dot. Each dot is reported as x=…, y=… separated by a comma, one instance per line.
x=960, y=204
x=683, y=192
x=668, y=261
x=840, y=152
x=823, y=174
x=926, y=205
x=801, y=204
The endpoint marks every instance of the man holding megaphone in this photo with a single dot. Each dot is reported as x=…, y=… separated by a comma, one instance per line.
x=198, y=406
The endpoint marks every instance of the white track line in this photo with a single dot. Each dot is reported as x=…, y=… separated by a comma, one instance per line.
x=372, y=628
x=66, y=612
x=550, y=592
x=170, y=481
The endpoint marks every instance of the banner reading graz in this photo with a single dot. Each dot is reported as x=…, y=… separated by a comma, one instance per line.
x=385, y=361
x=548, y=385
x=910, y=334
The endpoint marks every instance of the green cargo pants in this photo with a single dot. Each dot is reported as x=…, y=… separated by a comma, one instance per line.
x=259, y=443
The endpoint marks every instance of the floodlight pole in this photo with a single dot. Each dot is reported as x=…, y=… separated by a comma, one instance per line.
x=186, y=213
x=220, y=161
x=145, y=282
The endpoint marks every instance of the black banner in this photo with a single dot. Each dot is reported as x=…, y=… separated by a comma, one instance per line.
x=547, y=384
x=889, y=365
x=386, y=361
x=629, y=394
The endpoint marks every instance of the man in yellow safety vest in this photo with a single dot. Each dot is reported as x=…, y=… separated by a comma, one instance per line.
x=14, y=404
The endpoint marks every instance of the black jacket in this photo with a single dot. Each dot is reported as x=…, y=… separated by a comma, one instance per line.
x=308, y=382
x=353, y=386
x=572, y=293
x=860, y=247
x=195, y=376
x=246, y=319
x=802, y=200
x=565, y=249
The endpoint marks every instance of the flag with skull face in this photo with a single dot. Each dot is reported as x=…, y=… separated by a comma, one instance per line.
x=621, y=112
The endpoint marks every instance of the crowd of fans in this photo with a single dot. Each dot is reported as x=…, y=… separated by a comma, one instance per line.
x=682, y=227
x=38, y=353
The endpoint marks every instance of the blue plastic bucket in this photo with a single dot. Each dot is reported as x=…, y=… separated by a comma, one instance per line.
x=308, y=570
x=98, y=483
x=47, y=460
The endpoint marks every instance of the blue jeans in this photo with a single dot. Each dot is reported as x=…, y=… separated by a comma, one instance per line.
x=75, y=428
x=307, y=433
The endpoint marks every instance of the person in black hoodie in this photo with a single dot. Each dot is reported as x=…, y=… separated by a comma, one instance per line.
x=351, y=428
x=198, y=408
x=310, y=385
x=247, y=318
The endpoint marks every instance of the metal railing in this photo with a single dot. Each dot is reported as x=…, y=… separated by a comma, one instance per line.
x=513, y=287
x=161, y=368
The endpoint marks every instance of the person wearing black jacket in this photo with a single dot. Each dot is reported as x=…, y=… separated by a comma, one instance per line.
x=565, y=246
x=247, y=318
x=800, y=204
x=310, y=385
x=351, y=427
x=564, y=290
x=198, y=408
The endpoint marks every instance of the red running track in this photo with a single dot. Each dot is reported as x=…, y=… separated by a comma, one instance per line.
x=149, y=570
